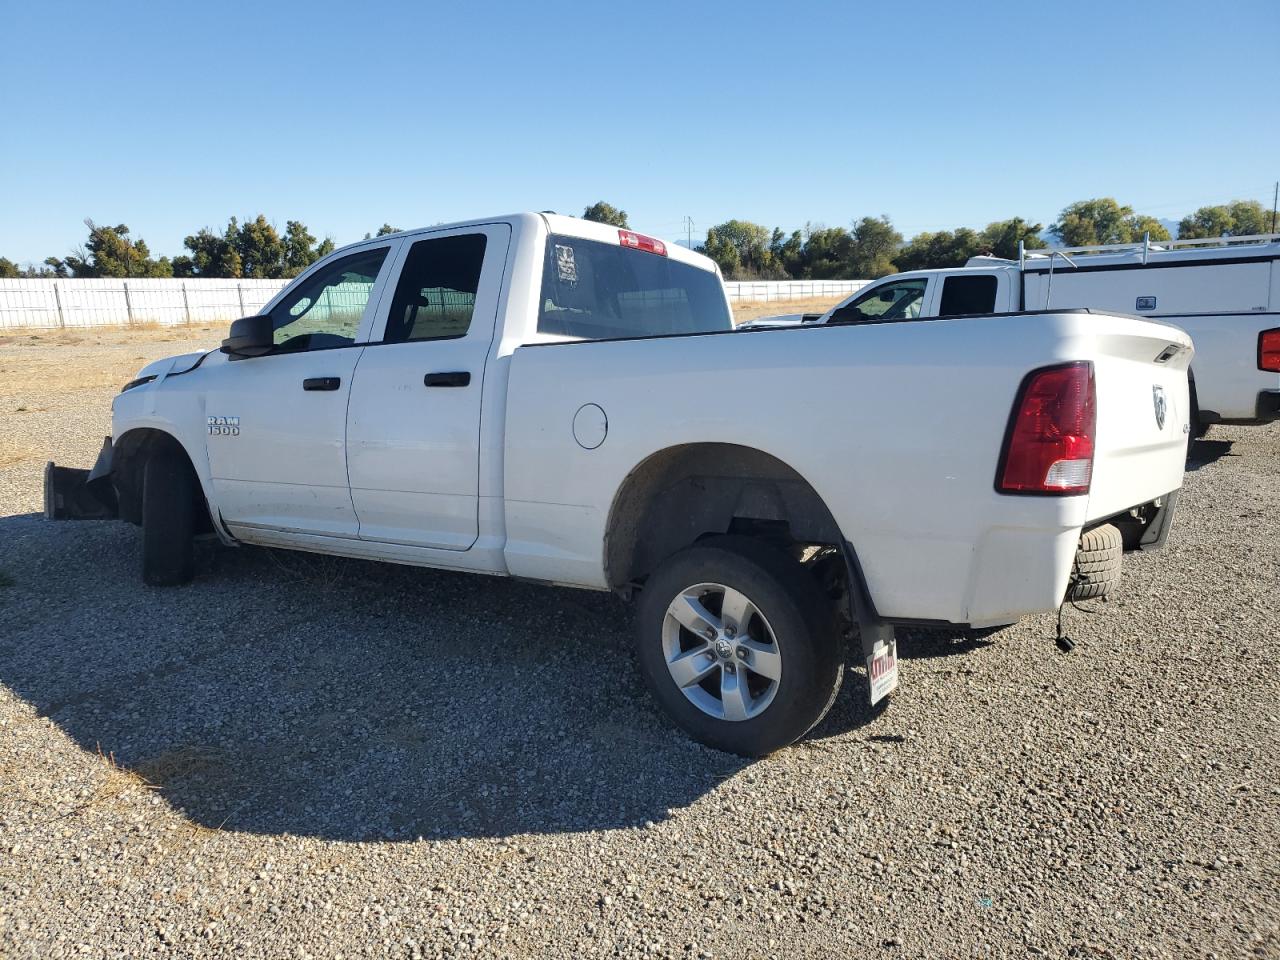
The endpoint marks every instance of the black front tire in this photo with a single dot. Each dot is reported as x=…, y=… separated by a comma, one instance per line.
x=168, y=520
x=804, y=624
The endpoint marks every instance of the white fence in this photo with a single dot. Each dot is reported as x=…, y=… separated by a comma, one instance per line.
x=746, y=291
x=108, y=303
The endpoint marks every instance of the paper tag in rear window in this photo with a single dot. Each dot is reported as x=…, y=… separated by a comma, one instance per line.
x=566, y=266
x=882, y=668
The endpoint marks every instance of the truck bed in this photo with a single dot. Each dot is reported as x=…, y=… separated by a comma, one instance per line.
x=898, y=427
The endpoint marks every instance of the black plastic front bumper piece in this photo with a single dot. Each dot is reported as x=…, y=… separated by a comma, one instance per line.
x=71, y=493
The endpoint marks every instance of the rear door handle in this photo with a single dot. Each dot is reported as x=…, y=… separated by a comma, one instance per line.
x=321, y=383
x=456, y=378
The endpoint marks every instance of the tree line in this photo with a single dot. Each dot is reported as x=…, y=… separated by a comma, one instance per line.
x=871, y=247
x=253, y=249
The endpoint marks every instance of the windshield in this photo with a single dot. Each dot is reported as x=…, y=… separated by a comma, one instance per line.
x=602, y=291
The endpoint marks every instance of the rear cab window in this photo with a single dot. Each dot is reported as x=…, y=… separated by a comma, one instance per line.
x=601, y=291
x=967, y=294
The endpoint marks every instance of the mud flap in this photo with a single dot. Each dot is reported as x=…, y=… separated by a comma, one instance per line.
x=880, y=648
x=71, y=493
x=879, y=644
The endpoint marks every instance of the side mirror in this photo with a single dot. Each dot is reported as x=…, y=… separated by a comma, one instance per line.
x=249, y=337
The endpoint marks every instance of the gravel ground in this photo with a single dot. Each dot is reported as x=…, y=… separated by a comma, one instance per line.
x=296, y=755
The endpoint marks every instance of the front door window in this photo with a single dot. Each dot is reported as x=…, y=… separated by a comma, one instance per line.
x=898, y=300
x=324, y=310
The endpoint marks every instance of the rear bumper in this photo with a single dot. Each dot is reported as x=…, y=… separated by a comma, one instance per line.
x=1022, y=572
x=72, y=493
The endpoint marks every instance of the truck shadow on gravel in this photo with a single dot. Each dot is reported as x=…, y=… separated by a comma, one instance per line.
x=1205, y=452
x=285, y=693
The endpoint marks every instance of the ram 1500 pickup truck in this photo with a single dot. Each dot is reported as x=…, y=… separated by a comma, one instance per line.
x=542, y=397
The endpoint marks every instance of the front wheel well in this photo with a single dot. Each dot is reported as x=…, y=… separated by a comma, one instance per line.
x=129, y=456
x=684, y=494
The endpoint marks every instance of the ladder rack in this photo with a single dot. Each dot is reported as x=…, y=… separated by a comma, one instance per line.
x=1145, y=247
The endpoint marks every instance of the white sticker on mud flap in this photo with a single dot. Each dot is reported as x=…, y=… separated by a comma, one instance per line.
x=566, y=266
x=882, y=668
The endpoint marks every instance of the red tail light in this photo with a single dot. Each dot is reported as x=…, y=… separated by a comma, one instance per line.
x=1269, y=350
x=1049, y=444
x=638, y=241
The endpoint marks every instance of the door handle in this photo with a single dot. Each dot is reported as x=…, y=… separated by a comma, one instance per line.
x=321, y=383
x=456, y=378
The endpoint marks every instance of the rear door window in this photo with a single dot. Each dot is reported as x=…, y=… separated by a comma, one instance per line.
x=601, y=291
x=436, y=295
x=962, y=294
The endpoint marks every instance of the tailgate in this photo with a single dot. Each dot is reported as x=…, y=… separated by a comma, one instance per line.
x=1143, y=414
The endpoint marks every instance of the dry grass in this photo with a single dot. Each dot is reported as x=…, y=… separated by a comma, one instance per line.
x=180, y=763
x=148, y=776
x=116, y=782
x=742, y=312
x=48, y=363
x=110, y=336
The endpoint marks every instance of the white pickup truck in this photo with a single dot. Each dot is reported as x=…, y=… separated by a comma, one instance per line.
x=542, y=397
x=1225, y=292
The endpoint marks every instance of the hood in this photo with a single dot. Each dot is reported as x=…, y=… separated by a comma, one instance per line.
x=160, y=368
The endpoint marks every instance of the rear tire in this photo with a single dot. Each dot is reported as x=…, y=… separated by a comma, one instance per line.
x=168, y=520
x=789, y=633
x=1198, y=429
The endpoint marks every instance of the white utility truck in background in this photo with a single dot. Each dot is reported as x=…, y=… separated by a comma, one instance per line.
x=1225, y=292
x=542, y=397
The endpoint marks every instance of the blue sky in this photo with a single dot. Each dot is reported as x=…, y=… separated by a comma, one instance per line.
x=346, y=115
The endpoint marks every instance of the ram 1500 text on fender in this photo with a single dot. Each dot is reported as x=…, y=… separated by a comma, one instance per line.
x=542, y=397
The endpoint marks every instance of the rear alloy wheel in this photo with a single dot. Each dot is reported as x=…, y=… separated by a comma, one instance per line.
x=739, y=644
x=727, y=663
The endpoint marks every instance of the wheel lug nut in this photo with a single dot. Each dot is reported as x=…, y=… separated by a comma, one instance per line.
x=730, y=632
x=730, y=668
x=742, y=653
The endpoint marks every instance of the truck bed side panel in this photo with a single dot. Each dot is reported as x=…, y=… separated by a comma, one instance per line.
x=898, y=427
x=1228, y=380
